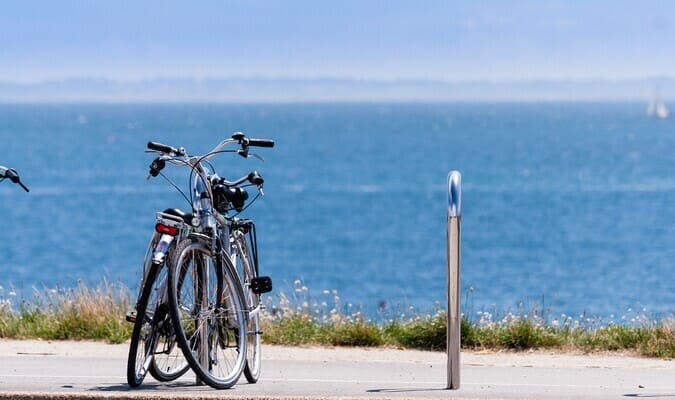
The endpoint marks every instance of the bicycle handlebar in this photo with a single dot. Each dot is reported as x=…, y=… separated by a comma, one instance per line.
x=180, y=157
x=244, y=141
x=253, y=177
x=238, y=182
x=163, y=148
x=237, y=137
x=261, y=142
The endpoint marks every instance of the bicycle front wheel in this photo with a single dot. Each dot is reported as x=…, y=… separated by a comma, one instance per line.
x=208, y=314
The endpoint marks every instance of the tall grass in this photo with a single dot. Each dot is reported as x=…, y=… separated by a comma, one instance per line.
x=301, y=318
x=78, y=313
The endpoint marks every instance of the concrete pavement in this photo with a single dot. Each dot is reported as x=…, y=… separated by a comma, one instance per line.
x=41, y=370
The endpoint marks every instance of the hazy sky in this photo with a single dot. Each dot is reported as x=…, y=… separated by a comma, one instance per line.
x=450, y=40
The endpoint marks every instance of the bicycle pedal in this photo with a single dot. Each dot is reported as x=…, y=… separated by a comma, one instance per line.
x=261, y=284
x=131, y=316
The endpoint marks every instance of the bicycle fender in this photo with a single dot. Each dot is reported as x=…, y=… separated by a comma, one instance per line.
x=162, y=248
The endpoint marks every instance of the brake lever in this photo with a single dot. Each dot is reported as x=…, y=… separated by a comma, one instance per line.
x=256, y=156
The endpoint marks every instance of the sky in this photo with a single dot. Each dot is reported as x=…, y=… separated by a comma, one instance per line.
x=369, y=40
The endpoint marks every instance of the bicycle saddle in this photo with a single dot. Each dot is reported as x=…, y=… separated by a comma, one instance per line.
x=187, y=217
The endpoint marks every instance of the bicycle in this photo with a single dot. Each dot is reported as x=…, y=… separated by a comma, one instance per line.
x=213, y=316
x=13, y=176
x=153, y=346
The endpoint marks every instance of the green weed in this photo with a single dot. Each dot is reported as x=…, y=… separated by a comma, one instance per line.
x=304, y=319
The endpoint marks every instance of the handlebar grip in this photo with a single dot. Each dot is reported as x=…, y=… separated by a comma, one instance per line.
x=12, y=175
x=261, y=142
x=161, y=147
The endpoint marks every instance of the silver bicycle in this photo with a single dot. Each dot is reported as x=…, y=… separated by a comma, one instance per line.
x=214, y=289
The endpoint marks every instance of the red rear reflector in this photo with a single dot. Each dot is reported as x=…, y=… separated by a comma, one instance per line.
x=168, y=230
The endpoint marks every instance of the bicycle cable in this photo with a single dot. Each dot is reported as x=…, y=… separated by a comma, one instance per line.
x=175, y=186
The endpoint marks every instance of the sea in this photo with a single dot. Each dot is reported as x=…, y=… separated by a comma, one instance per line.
x=566, y=207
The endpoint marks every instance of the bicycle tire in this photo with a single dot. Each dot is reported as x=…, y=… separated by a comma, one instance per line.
x=202, y=308
x=244, y=264
x=168, y=362
x=143, y=340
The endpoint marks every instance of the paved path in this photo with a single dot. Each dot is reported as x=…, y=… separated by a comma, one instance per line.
x=38, y=369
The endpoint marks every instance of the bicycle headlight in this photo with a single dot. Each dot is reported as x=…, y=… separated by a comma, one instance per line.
x=228, y=198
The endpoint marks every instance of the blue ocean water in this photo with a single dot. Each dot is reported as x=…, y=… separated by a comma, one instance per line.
x=569, y=204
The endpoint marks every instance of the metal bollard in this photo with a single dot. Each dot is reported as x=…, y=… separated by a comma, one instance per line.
x=453, y=309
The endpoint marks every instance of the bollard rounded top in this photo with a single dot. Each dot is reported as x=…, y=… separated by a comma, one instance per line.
x=454, y=194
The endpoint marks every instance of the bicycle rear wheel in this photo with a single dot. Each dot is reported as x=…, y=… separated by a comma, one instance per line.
x=168, y=362
x=208, y=315
x=243, y=261
x=144, y=334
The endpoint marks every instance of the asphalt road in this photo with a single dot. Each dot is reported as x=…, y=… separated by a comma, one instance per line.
x=38, y=369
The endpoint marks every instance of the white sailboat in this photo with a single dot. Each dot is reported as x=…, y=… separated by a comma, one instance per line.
x=661, y=110
x=657, y=108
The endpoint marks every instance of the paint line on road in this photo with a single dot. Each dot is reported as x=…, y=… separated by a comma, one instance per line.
x=64, y=376
x=343, y=381
x=438, y=383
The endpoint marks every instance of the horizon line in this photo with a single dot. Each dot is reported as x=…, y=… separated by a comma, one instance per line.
x=319, y=78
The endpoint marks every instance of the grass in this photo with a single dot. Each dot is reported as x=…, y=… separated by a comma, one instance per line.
x=68, y=314
x=302, y=319
x=97, y=313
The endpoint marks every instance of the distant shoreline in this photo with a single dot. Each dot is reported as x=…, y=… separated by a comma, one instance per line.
x=283, y=90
